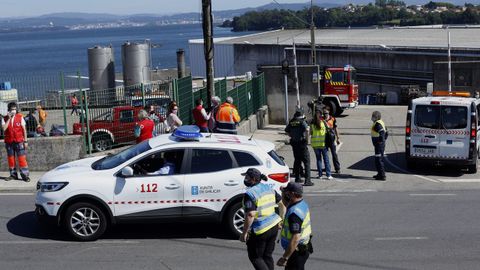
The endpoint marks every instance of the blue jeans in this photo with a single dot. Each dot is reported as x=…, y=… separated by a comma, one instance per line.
x=319, y=152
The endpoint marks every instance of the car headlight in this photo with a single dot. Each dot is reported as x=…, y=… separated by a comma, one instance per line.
x=51, y=186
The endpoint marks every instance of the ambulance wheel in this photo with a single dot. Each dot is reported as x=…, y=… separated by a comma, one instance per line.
x=235, y=219
x=472, y=168
x=411, y=164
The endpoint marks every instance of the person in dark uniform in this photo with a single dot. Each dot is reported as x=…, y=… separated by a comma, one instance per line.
x=379, y=134
x=261, y=221
x=298, y=131
x=296, y=230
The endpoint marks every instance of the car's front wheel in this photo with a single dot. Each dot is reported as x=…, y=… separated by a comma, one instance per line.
x=235, y=219
x=85, y=221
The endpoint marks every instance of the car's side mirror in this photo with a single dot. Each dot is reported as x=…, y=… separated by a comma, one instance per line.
x=127, y=172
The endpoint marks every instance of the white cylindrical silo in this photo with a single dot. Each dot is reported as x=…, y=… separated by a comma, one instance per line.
x=136, y=63
x=101, y=68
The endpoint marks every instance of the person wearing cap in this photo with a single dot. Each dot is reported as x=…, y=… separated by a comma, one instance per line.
x=227, y=117
x=261, y=221
x=296, y=230
x=298, y=131
x=379, y=135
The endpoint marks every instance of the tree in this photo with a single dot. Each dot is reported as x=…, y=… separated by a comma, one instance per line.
x=227, y=23
x=381, y=3
x=470, y=16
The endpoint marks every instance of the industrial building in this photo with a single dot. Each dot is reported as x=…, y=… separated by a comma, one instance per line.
x=385, y=59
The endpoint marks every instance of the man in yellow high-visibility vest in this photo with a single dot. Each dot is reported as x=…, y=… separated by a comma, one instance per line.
x=379, y=132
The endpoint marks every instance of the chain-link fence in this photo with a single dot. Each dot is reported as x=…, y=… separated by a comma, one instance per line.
x=63, y=104
x=112, y=114
x=248, y=97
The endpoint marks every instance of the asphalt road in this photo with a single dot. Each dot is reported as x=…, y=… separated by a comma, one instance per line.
x=424, y=219
x=353, y=230
x=357, y=161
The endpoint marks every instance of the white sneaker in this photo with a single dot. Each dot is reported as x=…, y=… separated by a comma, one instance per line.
x=330, y=178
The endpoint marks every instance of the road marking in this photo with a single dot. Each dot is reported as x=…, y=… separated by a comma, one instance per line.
x=427, y=178
x=341, y=191
x=459, y=180
x=407, y=172
x=331, y=195
x=29, y=242
x=432, y=194
x=15, y=194
x=400, y=238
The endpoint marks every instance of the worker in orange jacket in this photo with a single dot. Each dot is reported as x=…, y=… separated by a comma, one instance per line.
x=227, y=117
x=15, y=130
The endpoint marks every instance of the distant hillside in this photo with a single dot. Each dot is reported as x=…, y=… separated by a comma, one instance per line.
x=382, y=13
x=76, y=20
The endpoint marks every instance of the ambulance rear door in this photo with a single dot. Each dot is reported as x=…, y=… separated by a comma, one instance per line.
x=425, y=137
x=455, y=133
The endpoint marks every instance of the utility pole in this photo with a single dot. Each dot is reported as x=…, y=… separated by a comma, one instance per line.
x=449, y=63
x=312, y=34
x=208, y=48
x=296, y=73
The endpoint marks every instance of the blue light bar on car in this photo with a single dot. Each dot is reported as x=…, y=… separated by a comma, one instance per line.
x=189, y=132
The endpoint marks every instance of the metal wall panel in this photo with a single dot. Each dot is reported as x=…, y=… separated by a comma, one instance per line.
x=223, y=60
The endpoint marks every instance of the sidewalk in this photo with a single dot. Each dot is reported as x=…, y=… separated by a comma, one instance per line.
x=272, y=133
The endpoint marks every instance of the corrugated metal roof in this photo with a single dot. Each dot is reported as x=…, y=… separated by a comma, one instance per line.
x=467, y=38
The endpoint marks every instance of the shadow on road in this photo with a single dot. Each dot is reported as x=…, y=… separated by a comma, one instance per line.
x=26, y=225
x=424, y=168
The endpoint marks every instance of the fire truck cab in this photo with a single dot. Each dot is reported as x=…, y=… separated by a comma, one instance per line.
x=443, y=129
x=339, y=88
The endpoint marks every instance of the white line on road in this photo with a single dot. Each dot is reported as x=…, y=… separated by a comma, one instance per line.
x=331, y=195
x=16, y=194
x=432, y=194
x=407, y=172
x=43, y=242
x=459, y=180
x=400, y=238
x=341, y=191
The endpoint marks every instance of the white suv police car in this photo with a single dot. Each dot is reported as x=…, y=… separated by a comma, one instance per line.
x=203, y=181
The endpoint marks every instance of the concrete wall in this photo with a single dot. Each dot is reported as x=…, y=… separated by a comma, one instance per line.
x=465, y=76
x=46, y=153
x=410, y=65
x=275, y=91
x=254, y=122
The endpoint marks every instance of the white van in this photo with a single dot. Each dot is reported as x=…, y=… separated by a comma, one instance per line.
x=443, y=130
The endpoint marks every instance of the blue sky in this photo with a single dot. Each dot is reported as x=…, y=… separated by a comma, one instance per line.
x=15, y=8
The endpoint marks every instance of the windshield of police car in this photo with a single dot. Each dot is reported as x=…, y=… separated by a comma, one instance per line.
x=112, y=161
x=441, y=117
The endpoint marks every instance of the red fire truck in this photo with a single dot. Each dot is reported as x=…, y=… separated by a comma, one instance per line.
x=339, y=89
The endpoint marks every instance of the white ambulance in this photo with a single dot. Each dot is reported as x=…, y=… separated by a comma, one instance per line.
x=443, y=129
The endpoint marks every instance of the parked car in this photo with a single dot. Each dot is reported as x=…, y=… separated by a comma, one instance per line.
x=114, y=126
x=204, y=184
